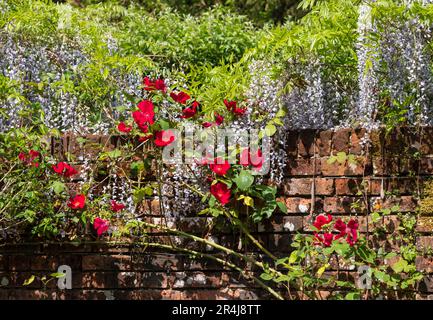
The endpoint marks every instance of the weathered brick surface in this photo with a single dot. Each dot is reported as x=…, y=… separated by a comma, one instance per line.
x=385, y=174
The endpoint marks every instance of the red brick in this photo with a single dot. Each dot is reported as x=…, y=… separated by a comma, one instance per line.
x=196, y=279
x=377, y=138
x=281, y=224
x=426, y=147
x=233, y=280
x=280, y=242
x=343, y=205
x=342, y=169
x=424, y=224
x=424, y=243
x=303, y=167
x=194, y=225
x=106, y=262
x=385, y=166
x=350, y=186
x=292, y=143
x=306, y=142
x=59, y=148
x=44, y=263
x=424, y=264
x=156, y=262
x=340, y=140
x=323, y=142
x=426, y=166
x=405, y=203
x=19, y=262
x=426, y=285
x=408, y=166
x=323, y=186
x=355, y=139
x=300, y=205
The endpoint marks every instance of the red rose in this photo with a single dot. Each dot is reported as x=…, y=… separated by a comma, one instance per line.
x=140, y=120
x=122, y=127
x=151, y=85
x=219, y=166
x=239, y=111
x=221, y=192
x=190, y=111
x=164, y=138
x=64, y=169
x=321, y=220
x=147, y=109
x=77, y=202
x=33, y=154
x=326, y=239
x=180, y=97
x=255, y=159
x=116, y=207
x=207, y=124
x=22, y=156
x=219, y=119
x=29, y=158
x=350, y=231
x=101, y=226
x=230, y=105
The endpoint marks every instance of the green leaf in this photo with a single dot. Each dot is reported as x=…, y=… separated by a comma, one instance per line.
x=58, y=275
x=281, y=113
x=29, y=280
x=352, y=296
x=164, y=124
x=390, y=255
x=116, y=153
x=293, y=257
x=270, y=130
x=322, y=269
x=139, y=195
x=400, y=266
x=212, y=201
x=375, y=216
x=266, y=276
x=148, y=191
x=341, y=157
x=248, y=201
x=58, y=187
x=366, y=254
x=282, y=206
x=204, y=211
x=331, y=159
x=244, y=180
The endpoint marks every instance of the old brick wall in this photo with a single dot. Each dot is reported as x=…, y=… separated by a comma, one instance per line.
x=392, y=170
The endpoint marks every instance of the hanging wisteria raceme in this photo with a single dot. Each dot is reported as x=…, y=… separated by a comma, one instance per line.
x=365, y=110
x=306, y=103
x=59, y=70
x=408, y=76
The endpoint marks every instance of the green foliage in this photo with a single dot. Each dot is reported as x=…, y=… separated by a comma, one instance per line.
x=178, y=41
x=259, y=11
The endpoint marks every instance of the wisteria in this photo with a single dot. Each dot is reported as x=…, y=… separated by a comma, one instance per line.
x=393, y=74
x=62, y=68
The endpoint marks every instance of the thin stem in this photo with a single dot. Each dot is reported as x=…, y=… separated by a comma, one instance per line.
x=223, y=262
